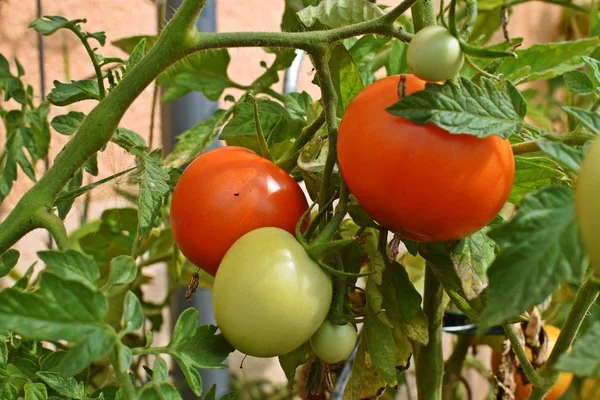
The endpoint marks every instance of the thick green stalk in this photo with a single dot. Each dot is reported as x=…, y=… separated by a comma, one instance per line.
x=423, y=14
x=586, y=296
x=430, y=362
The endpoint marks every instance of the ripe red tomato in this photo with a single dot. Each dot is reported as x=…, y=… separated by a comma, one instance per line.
x=419, y=180
x=226, y=193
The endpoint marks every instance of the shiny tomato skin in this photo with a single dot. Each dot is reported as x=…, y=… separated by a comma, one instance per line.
x=587, y=202
x=333, y=343
x=522, y=391
x=225, y=193
x=434, y=54
x=269, y=296
x=419, y=180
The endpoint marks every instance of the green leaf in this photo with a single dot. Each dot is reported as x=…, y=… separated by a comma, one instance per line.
x=63, y=386
x=380, y=345
x=595, y=67
x=139, y=51
x=94, y=347
x=284, y=58
x=338, y=13
x=568, y=156
x=100, y=37
x=589, y=119
x=8, y=260
x=73, y=186
x=205, y=72
x=129, y=141
x=579, y=83
x=584, y=360
x=8, y=391
x=298, y=102
x=35, y=391
x=67, y=124
x=354, y=386
x=64, y=94
x=346, y=77
x=133, y=314
x=546, y=61
x=396, y=62
x=38, y=121
x=114, y=237
x=211, y=394
x=51, y=23
x=532, y=173
x=160, y=373
x=10, y=84
x=14, y=156
x=464, y=107
x=122, y=271
x=72, y=265
x=472, y=256
x=164, y=391
x=540, y=249
x=230, y=396
x=363, y=52
x=129, y=44
x=125, y=357
x=153, y=178
x=291, y=361
x=192, y=142
x=242, y=122
x=3, y=348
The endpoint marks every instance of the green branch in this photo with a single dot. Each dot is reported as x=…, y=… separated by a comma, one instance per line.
x=429, y=364
x=532, y=146
x=423, y=14
x=50, y=221
x=466, y=30
x=97, y=69
x=124, y=379
x=586, y=296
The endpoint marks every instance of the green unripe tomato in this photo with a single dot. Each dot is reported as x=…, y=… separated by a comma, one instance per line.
x=269, y=296
x=434, y=54
x=333, y=343
x=587, y=202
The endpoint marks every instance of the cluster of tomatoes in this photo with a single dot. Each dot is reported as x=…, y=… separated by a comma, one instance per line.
x=233, y=213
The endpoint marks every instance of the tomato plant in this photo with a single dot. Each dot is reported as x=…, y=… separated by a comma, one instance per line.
x=269, y=296
x=434, y=54
x=420, y=181
x=226, y=193
x=587, y=193
x=333, y=343
x=465, y=205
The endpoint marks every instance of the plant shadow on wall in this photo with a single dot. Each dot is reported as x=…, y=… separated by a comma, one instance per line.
x=492, y=190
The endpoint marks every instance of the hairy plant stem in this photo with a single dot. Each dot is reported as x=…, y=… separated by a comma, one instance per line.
x=179, y=38
x=586, y=296
x=532, y=146
x=454, y=365
x=97, y=69
x=471, y=6
x=423, y=14
x=50, y=221
x=429, y=364
x=124, y=380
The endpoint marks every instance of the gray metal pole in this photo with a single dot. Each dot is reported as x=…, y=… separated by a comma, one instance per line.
x=176, y=117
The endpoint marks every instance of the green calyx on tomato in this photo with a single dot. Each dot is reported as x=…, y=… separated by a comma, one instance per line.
x=226, y=193
x=587, y=203
x=419, y=180
x=434, y=54
x=333, y=343
x=269, y=296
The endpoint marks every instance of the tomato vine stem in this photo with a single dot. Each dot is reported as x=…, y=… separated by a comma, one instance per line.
x=519, y=351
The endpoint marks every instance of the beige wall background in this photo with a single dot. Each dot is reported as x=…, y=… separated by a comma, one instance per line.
x=66, y=59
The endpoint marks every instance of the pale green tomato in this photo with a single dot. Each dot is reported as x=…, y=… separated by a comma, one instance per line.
x=269, y=296
x=434, y=54
x=333, y=343
x=587, y=202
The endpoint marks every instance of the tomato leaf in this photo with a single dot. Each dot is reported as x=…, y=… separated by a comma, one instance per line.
x=532, y=173
x=9, y=391
x=133, y=315
x=337, y=13
x=568, y=156
x=579, y=83
x=204, y=71
x=8, y=260
x=51, y=23
x=63, y=386
x=93, y=347
x=346, y=77
x=114, y=237
x=194, y=346
x=589, y=119
x=67, y=124
x=128, y=44
x=72, y=265
x=464, y=107
x=163, y=391
x=363, y=52
x=35, y=391
x=122, y=272
x=380, y=346
x=471, y=257
x=354, y=386
x=396, y=62
x=546, y=61
x=243, y=124
x=153, y=178
x=64, y=94
x=540, y=249
x=298, y=102
x=130, y=141
x=584, y=360
x=284, y=58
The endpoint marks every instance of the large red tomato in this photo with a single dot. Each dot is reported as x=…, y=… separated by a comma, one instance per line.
x=419, y=180
x=226, y=193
